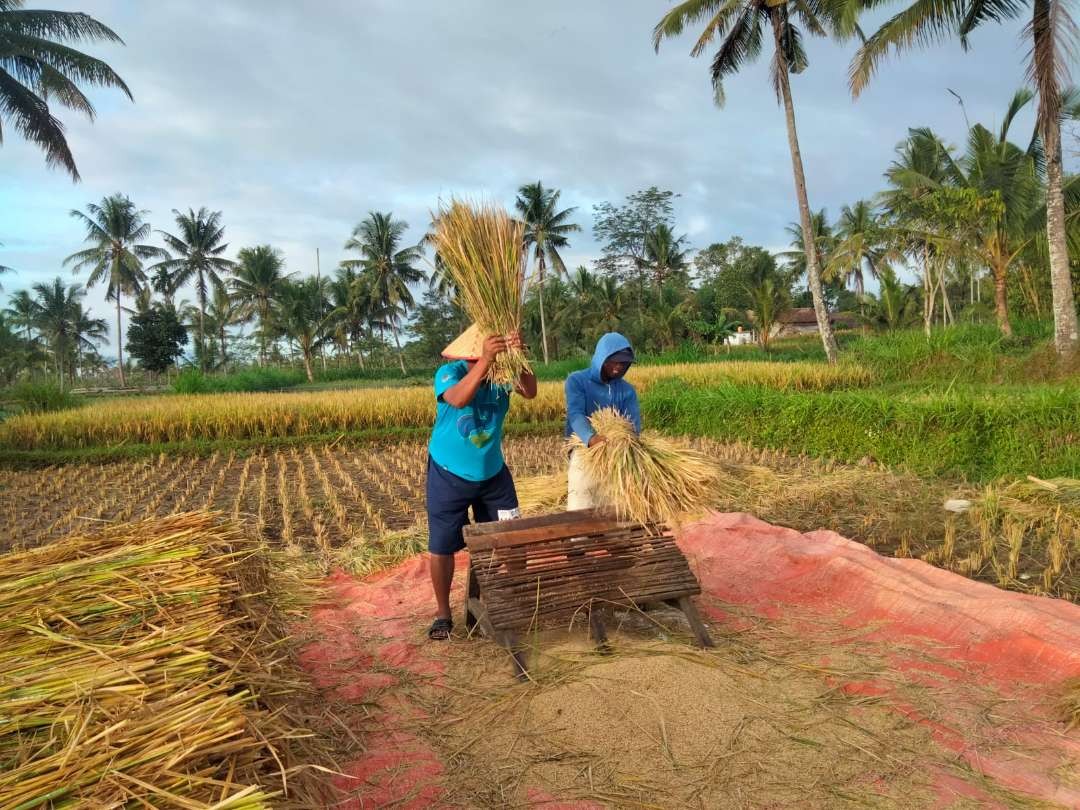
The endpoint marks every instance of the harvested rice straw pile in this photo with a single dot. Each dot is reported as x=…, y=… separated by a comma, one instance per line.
x=124, y=672
x=647, y=478
x=483, y=250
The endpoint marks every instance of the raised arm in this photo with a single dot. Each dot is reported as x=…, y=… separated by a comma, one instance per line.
x=526, y=383
x=462, y=392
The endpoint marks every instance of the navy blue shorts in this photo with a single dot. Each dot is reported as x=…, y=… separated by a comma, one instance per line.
x=448, y=500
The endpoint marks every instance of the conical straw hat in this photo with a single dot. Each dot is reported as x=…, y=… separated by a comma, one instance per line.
x=469, y=345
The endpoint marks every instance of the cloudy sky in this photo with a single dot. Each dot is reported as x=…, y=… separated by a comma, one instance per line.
x=296, y=119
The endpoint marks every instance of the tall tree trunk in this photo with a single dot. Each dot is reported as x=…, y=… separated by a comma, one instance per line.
x=1066, y=331
x=202, y=327
x=1001, y=300
x=946, y=306
x=224, y=350
x=360, y=348
x=400, y=355
x=263, y=317
x=929, y=293
x=119, y=341
x=543, y=321
x=305, y=352
x=813, y=266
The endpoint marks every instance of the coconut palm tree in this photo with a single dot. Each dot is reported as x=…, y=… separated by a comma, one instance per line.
x=546, y=231
x=197, y=256
x=389, y=268
x=115, y=228
x=1050, y=31
x=161, y=282
x=824, y=240
x=665, y=253
x=299, y=309
x=740, y=23
x=39, y=66
x=257, y=281
x=354, y=307
x=895, y=304
x=225, y=311
x=770, y=301
x=999, y=177
x=55, y=310
x=860, y=247
x=87, y=333
x=21, y=312
x=998, y=169
x=921, y=168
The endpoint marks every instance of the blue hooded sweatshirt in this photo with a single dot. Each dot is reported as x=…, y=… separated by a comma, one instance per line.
x=586, y=392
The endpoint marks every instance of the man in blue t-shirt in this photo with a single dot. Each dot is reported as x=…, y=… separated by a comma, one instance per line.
x=465, y=461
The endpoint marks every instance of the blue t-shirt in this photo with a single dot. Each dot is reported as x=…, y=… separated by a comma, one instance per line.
x=468, y=441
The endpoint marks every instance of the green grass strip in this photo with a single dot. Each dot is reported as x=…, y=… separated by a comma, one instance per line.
x=971, y=435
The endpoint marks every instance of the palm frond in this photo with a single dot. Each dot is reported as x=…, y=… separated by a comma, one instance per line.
x=35, y=123
x=689, y=12
x=741, y=45
x=980, y=11
x=923, y=23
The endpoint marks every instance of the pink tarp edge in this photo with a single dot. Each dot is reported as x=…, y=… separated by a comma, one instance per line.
x=1014, y=637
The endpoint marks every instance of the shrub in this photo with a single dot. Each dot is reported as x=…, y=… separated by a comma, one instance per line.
x=42, y=397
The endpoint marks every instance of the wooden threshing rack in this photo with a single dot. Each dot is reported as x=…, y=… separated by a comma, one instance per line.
x=526, y=571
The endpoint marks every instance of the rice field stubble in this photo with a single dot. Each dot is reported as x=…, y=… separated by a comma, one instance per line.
x=362, y=507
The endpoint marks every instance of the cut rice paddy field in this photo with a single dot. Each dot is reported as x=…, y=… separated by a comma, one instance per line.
x=361, y=506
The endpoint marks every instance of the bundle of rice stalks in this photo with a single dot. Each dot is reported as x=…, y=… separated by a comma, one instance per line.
x=483, y=249
x=127, y=667
x=647, y=478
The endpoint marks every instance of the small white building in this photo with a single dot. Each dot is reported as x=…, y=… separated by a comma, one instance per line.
x=740, y=338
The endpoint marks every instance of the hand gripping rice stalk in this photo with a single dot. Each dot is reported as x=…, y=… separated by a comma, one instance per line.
x=483, y=249
x=647, y=478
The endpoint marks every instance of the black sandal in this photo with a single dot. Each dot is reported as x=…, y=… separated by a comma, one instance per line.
x=440, y=630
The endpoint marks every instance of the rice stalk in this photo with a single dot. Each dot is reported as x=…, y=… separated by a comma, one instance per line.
x=645, y=478
x=483, y=250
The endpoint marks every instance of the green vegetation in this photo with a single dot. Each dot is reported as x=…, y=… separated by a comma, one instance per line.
x=979, y=434
x=41, y=397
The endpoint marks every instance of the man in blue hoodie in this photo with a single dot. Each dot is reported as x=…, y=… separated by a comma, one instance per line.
x=599, y=386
